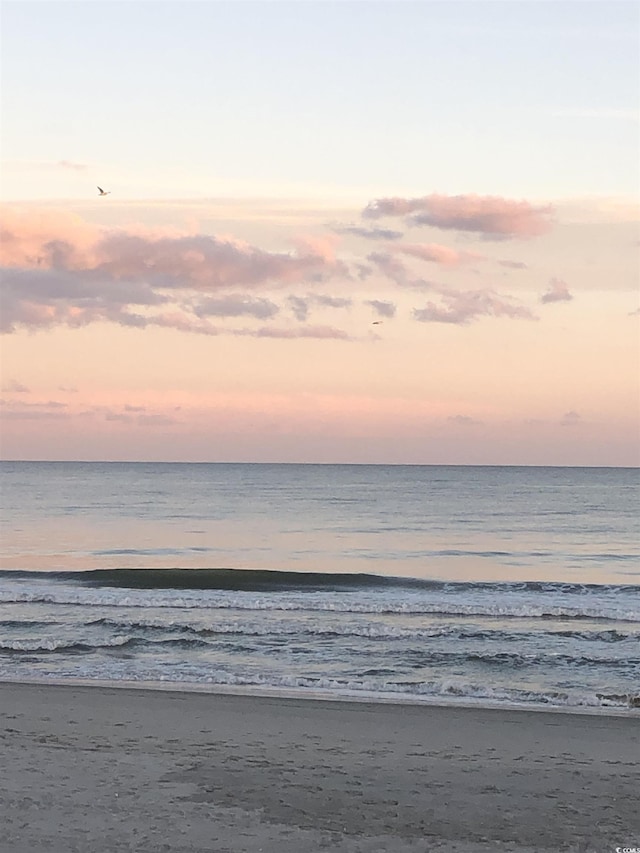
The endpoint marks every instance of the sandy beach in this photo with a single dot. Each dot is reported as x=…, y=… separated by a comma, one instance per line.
x=106, y=769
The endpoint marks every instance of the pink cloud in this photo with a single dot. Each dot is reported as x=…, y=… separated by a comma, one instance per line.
x=28, y=237
x=44, y=298
x=59, y=270
x=320, y=247
x=208, y=263
x=320, y=332
x=35, y=239
x=437, y=254
x=69, y=164
x=491, y=216
x=557, y=292
x=460, y=307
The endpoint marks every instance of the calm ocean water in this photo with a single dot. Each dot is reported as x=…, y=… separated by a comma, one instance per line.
x=508, y=585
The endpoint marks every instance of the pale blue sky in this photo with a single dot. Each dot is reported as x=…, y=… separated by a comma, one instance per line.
x=535, y=99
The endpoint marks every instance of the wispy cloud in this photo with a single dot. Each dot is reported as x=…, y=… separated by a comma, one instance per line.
x=155, y=420
x=319, y=332
x=390, y=266
x=464, y=421
x=47, y=410
x=437, y=254
x=382, y=309
x=45, y=165
x=136, y=416
x=32, y=415
x=75, y=167
x=14, y=387
x=513, y=265
x=299, y=306
x=570, y=419
x=558, y=292
x=302, y=305
x=235, y=305
x=325, y=301
x=490, y=216
x=460, y=307
x=367, y=233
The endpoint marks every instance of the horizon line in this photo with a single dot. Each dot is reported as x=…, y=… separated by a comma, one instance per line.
x=317, y=464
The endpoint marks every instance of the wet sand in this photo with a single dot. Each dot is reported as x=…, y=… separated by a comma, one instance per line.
x=92, y=769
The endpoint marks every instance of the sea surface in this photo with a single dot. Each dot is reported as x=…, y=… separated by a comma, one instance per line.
x=507, y=585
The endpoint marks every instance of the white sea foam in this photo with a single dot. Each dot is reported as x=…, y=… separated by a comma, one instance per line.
x=501, y=604
x=450, y=691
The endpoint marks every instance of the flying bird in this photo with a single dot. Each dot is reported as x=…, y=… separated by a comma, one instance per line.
x=102, y=192
x=377, y=323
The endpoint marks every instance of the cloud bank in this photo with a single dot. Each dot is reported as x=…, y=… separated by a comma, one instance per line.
x=60, y=270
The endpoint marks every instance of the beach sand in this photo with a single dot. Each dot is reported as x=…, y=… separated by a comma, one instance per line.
x=93, y=769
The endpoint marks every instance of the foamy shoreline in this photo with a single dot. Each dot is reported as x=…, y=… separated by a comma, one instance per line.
x=307, y=694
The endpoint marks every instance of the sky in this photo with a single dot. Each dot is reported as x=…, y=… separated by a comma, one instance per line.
x=368, y=232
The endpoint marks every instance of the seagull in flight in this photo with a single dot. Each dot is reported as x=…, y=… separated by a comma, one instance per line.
x=102, y=192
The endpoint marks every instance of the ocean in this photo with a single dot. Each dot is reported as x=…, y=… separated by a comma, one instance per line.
x=491, y=585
